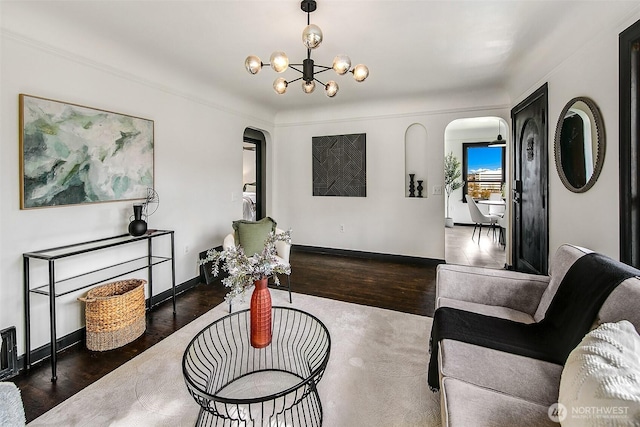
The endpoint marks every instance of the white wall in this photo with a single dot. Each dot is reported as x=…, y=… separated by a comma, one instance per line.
x=588, y=219
x=385, y=221
x=198, y=165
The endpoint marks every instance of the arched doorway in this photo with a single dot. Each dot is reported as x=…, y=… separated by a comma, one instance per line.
x=468, y=141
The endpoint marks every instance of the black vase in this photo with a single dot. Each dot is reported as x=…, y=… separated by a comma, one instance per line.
x=138, y=226
x=412, y=185
x=420, y=187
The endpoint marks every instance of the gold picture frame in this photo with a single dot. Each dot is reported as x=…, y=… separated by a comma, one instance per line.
x=71, y=154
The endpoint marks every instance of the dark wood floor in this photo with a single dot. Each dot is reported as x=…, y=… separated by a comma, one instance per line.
x=400, y=286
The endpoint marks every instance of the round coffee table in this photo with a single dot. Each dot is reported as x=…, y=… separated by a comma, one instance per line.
x=236, y=384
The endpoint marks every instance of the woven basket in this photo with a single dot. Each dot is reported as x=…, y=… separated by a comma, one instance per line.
x=115, y=314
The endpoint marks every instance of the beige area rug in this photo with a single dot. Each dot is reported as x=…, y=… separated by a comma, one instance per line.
x=376, y=375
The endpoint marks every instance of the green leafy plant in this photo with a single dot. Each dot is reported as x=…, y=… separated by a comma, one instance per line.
x=244, y=270
x=451, y=174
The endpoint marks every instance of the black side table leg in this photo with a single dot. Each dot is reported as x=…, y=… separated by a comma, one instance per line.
x=150, y=271
x=27, y=314
x=52, y=319
x=173, y=272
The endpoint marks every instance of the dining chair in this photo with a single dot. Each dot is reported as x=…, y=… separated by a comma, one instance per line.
x=480, y=218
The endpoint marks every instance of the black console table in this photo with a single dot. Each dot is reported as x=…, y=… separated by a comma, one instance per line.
x=57, y=288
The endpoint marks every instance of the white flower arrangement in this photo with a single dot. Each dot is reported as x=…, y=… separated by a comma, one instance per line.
x=244, y=270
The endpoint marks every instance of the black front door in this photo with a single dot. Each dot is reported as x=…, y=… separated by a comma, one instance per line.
x=530, y=186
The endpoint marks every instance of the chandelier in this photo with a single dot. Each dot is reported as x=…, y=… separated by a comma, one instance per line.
x=311, y=38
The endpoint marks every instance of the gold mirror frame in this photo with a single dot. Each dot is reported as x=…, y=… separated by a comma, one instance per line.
x=600, y=141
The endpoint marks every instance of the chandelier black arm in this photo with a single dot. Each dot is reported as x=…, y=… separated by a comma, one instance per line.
x=322, y=71
x=316, y=72
x=300, y=78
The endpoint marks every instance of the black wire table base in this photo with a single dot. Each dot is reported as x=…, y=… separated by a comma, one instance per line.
x=238, y=385
x=306, y=412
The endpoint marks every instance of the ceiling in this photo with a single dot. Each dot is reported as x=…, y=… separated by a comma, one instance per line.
x=412, y=48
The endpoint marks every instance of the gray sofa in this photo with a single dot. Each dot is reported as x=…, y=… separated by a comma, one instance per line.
x=485, y=387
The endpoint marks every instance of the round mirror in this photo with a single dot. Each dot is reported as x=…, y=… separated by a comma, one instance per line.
x=579, y=144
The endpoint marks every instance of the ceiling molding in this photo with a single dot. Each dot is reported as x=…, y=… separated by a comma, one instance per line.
x=484, y=109
x=82, y=60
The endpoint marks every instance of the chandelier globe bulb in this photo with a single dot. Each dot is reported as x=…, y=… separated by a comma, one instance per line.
x=341, y=64
x=360, y=72
x=312, y=36
x=253, y=64
x=331, y=88
x=280, y=85
x=308, y=87
x=279, y=61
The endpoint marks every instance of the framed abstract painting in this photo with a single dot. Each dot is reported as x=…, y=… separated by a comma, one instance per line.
x=71, y=154
x=340, y=165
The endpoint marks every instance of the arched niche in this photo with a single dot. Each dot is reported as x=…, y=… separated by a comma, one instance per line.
x=415, y=159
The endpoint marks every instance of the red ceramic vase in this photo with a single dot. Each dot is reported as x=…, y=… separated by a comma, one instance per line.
x=260, y=314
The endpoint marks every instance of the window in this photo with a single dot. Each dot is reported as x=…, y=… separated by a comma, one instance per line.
x=482, y=169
